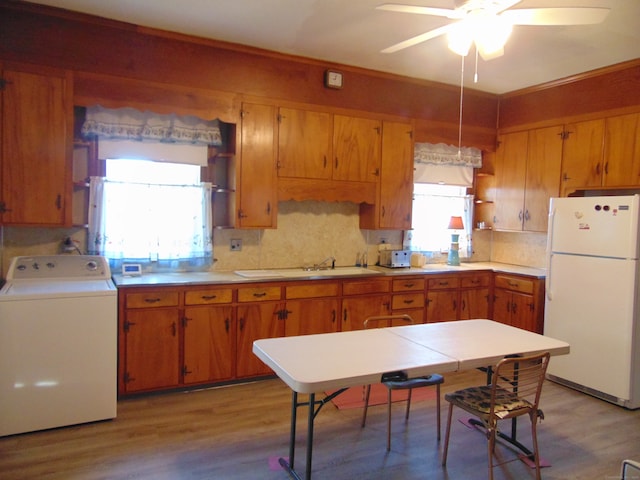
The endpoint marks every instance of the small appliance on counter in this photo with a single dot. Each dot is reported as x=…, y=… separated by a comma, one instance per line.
x=395, y=258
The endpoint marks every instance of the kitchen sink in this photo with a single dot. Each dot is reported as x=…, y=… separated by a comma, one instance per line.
x=303, y=273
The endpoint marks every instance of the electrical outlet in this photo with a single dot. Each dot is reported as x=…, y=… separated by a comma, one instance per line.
x=236, y=245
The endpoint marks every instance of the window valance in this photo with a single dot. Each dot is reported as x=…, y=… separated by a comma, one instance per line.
x=442, y=154
x=132, y=124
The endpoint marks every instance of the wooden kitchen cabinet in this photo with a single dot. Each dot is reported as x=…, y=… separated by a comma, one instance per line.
x=460, y=296
x=356, y=149
x=304, y=144
x=528, y=166
x=36, y=145
x=311, y=307
x=519, y=301
x=622, y=151
x=257, y=198
x=408, y=297
x=259, y=315
x=209, y=336
x=443, y=298
x=582, y=156
x=394, y=203
x=475, y=295
x=362, y=299
x=150, y=340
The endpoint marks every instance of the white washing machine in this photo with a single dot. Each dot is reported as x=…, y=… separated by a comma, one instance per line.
x=58, y=343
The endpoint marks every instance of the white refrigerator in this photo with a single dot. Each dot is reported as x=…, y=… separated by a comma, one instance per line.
x=592, y=295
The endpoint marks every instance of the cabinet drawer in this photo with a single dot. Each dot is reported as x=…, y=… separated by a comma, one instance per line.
x=473, y=281
x=205, y=297
x=407, y=300
x=408, y=284
x=365, y=286
x=517, y=284
x=443, y=283
x=152, y=299
x=311, y=289
x=258, y=294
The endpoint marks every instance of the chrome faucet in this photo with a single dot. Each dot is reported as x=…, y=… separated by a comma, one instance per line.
x=323, y=264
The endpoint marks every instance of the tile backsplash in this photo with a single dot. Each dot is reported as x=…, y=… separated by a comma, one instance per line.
x=307, y=233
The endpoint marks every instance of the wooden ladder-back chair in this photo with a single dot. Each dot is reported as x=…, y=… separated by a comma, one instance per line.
x=514, y=391
x=399, y=381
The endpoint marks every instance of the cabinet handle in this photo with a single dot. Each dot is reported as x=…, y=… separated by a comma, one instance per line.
x=455, y=305
x=520, y=215
x=208, y=297
x=333, y=316
x=241, y=324
x=527, y=217
x=269, y=208
x=59, y=202
x=336, y=164
x=409, y=285
x=259, y=294
x=151, y=300
x=598, y=168
x=514, y=308
x=408, y=302
x=443, y=283
x=463, y=306
x=513, y=284
x=226, y=325
x=324, y=164
x=606, y=168
x=344, y=315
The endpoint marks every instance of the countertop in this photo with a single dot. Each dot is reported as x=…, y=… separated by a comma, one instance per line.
x=245, y=276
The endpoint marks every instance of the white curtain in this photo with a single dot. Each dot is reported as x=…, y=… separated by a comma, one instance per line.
x=151, y=223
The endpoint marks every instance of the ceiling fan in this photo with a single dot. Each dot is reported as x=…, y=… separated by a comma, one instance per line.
x=488, y=23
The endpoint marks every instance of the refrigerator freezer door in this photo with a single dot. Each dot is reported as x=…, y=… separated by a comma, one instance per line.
x=590, y=304
x=598, y=226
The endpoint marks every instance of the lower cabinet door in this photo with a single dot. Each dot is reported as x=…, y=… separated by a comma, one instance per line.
x=152, y=349
x=256, y=321
x=317, y=315
x=209, y=334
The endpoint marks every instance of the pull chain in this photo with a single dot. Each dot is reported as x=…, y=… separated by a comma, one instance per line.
x=461, y=97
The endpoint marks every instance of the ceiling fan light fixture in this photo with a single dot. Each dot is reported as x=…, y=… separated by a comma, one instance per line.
x=492, y=35
x=460, y=39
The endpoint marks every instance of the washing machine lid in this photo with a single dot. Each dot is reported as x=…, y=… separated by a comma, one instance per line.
x=37, y=289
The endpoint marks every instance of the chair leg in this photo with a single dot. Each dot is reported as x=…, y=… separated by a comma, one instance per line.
x=491, y=442
x=438, y=409
x=534, y=438
x=388, y=419
x=446, y=435
x=366, y=405
x=406, y=415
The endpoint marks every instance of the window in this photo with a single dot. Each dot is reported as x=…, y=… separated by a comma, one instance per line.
x=155, y=213
x=433, y=207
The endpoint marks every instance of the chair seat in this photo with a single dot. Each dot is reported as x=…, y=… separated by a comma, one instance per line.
x=479, y=398
x=425, y=381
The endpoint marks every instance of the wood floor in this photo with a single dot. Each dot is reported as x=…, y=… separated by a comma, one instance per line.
x=234, y=432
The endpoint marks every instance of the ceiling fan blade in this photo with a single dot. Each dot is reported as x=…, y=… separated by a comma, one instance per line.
x=419, y=39
x=439, y=12
x=556, y=16
x=500, y=6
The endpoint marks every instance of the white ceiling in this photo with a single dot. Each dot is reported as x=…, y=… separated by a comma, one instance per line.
x=352, y=32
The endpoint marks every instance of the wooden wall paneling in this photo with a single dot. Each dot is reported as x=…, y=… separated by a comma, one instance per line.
x=611, y=89
x=89, y=44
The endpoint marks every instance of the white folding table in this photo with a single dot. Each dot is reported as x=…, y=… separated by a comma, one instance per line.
x=312, y=364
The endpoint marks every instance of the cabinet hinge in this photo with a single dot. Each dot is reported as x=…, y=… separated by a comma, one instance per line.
x=564, y=134
x=128, y=378
x=3, y=83
x=127, y=326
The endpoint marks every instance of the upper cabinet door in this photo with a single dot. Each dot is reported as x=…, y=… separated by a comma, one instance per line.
x=582, y=155
x=257, y=194
x=543, y=176
x=511, y=167
x=622, y=151
x=356, y=149
x=304, y=144
x=36, y=146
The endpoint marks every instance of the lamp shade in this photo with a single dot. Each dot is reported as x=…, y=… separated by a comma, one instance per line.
x=456, y=223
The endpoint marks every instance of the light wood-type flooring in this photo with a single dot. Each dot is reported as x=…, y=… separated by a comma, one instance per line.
x=233, y=432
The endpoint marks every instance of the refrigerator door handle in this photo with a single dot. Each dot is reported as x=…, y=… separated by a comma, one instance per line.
x=547, y=280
